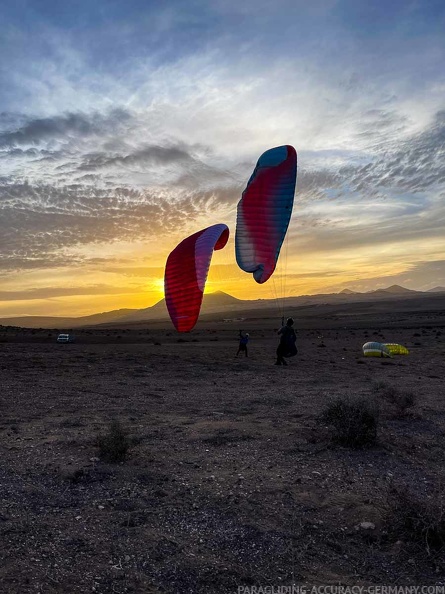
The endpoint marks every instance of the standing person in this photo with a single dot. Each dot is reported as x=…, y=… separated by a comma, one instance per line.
x=243, y=340
x=287, y=346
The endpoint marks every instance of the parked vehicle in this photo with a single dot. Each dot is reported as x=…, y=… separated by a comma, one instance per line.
x=65, y=338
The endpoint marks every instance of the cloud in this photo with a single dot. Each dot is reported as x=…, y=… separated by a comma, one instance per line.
x=149, y=122
x=413, y=165
x=357, y=204
x=396, y=196
x=41, y=130
x=51, y=292
x=419, y=275
x=313, y=184
x=129, y=270
x=151, y=154
x=374, y=226
x=38, y=222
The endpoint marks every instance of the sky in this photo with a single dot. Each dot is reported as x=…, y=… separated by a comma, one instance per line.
x=126, y=126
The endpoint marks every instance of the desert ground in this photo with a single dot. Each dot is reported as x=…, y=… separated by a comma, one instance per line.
x=231, y=478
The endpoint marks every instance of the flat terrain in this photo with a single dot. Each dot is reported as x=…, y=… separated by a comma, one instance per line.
x=231, y=479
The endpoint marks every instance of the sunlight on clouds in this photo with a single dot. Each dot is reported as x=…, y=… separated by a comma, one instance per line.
x=130, y=253
x=109, y=162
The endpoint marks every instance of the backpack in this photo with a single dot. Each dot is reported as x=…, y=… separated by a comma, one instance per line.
x=287, y=342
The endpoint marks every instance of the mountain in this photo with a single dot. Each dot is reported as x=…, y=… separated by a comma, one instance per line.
x=398, y=289
x=211, y=303
x=224, y=304
x=66, y=323
x=395, y=290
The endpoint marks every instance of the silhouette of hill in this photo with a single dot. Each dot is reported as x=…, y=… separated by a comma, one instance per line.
x=436, y=290
x=211, y=303
x=395, y=290
x=66, y=323
x=222, y=303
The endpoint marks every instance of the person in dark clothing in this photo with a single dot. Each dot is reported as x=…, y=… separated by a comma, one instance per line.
x=287, y=346
x=243, y=340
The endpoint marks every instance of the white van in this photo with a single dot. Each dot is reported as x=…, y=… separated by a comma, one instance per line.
x=65, y=338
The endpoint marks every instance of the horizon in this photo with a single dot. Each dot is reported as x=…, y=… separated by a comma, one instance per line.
x=219, y=291
x=123, y=129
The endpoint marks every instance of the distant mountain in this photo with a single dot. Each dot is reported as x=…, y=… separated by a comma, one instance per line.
x=224, y=304
x=395, y=290
x=65, y=323
x=211, y=303
x=399, y=289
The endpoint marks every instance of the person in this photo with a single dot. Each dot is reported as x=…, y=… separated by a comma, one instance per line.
x=243, y=340
x=287, y=346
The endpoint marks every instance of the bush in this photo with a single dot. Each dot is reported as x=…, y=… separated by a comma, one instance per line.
x=401, y=400
x=354, y=421
x=418, y=519
x=114, y=445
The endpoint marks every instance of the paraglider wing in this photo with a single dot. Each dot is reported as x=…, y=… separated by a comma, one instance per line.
x=396, y=349
x=375, y=349
x=264, y=212
x=186, y=274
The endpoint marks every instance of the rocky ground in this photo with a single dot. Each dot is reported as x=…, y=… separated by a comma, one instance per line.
x=230, y=479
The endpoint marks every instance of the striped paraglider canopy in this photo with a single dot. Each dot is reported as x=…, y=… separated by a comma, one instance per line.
x=186, y=274
x=264, y=212
x=376, y=349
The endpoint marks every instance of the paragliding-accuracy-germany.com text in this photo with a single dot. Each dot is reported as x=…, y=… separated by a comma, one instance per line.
x=331, y=589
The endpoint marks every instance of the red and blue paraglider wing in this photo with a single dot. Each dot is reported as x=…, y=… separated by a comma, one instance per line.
x=186, y=274
x=264, y=212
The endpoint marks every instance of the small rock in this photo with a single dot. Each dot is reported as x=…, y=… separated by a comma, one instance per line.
x=366, y=526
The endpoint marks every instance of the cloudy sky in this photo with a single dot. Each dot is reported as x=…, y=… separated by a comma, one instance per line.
x=125, y=126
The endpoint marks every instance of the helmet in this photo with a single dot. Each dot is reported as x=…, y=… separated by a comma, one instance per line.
x=247, y=334
x=289, y=321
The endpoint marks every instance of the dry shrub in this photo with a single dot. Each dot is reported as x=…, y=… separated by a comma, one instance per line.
x=418, y=518
x=401, y=400
x=354, y=420
x=114, y=445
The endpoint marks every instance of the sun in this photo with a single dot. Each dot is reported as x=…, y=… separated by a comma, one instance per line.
x=157, y=285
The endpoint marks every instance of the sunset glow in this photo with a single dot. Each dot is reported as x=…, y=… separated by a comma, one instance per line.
x=112, y=152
